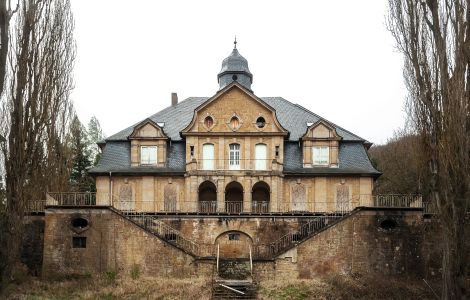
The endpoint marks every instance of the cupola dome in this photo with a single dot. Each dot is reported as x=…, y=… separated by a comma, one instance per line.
x=235, y=68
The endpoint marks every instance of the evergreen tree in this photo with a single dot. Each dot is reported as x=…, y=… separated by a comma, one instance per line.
x=95, y=134
x=79, y=178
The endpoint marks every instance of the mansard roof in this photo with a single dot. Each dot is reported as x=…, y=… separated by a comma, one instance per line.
x=292, y=117
x=353, y=157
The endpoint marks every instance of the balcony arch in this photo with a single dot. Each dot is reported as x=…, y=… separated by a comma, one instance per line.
x=207, y=193
x=234, y=197
x=260, y=197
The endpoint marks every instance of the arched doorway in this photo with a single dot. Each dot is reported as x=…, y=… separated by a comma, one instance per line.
x=234, y=252
x=207, y=197
x=234, y=197
x=260, y=197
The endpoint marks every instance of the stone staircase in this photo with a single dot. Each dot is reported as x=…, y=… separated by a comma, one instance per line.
x=233, y=280
x=163, y=231
x=306, y=231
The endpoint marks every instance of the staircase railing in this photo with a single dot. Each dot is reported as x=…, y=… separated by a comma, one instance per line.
x=295, y=237
x=164, y=231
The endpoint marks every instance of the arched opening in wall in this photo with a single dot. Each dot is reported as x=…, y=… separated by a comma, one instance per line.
x=234, y=197
x=207, y=197
x=234, y=244
x=260, y=197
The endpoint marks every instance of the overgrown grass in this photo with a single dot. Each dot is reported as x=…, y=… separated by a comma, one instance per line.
x=345, y=287
x=125, y=287
x=106, y=289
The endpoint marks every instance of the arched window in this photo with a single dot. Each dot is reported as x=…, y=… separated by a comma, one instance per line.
x=260, y=196
x=234, y=197
x=260, y=156
x=234, y=157
x=208, y=156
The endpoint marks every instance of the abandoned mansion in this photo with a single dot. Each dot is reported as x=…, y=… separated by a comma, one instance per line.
x=234, y=177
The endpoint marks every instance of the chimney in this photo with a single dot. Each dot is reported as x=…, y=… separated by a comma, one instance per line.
x=174, y=99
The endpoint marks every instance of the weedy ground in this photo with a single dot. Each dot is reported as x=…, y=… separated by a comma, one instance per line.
x=112, y=286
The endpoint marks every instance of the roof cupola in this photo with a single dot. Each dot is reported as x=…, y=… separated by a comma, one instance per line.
x=235, y=68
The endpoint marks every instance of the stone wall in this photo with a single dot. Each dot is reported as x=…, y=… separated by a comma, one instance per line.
x=383, y=242
x=112, y=244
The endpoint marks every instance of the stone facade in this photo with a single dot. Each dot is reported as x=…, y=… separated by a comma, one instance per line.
x=386, y=242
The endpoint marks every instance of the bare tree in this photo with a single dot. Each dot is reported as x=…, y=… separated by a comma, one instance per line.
x=402, y=165
x=36, y=111
x=5, y=16
x=434, y=37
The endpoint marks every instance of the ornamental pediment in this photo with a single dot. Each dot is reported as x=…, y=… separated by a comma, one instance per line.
x=234, y=110
x=148, y=129
x=321, y=130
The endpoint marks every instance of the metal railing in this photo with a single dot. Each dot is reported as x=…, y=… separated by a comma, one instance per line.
x=71, y=199
x=391, y=201
x=35, y=206
x=294, y=237
x=164, y=231
x=236, y=207
x=207, y=206
x=235, y=164
x=260, y=207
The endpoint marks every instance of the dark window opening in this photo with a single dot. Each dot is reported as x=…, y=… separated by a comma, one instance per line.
x=170, y=236
x=79, y=223
x=388, y=224
x=233, y=236
x=277, y=151
x=260, y=122
x=79, y=242
x=191, y=151
x=235, y=77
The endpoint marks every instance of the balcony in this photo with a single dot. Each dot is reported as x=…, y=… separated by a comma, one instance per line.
x=231, y=207
x=235, y=165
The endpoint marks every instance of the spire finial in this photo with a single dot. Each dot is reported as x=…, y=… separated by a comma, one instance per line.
x=235, y=43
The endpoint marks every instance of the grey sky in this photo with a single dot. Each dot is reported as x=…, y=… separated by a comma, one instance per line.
x=335, y=58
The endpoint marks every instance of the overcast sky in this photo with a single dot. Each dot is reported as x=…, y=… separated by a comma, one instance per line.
x=335, y=58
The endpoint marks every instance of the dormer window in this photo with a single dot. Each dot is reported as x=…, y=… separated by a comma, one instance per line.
x=321, y=155
x=148, y=155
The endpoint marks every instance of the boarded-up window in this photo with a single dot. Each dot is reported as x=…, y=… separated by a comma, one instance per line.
x=169, y=198
x=208, y=157
x=342, y=198
x=125, y=197
x=298, y=198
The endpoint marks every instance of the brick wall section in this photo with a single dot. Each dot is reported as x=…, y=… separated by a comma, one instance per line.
x=113, y=244
x=359, y=245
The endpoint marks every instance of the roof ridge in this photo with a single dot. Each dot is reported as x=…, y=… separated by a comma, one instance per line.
x=320, y=117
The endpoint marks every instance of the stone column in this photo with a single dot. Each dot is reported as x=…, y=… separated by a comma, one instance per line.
x=221, y=195
x=246, y=194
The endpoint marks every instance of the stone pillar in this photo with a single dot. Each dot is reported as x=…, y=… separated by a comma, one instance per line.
x=274, y=194
x=220, y=195
x=246, y=194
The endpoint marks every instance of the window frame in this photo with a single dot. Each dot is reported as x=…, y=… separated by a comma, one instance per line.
x=234, y=156
x=148, y=162
x=323, y=158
